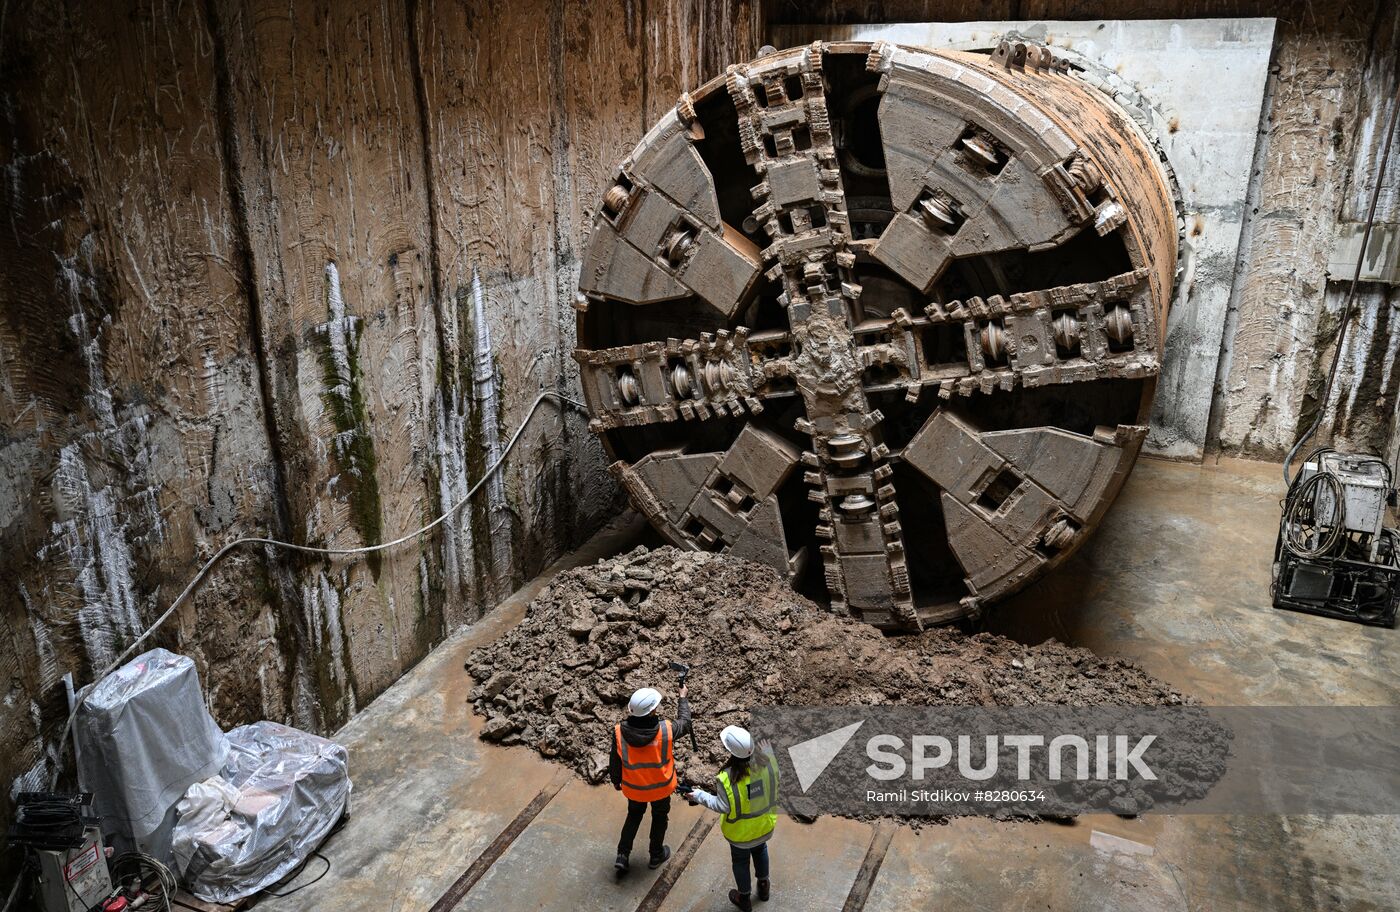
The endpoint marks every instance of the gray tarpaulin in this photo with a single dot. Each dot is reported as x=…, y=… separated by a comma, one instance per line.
x=143, y=737
x=278, y=796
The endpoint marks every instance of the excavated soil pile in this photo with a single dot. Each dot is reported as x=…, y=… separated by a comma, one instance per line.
x=560, y=679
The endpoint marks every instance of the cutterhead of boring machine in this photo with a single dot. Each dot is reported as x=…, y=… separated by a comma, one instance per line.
x=886, y=319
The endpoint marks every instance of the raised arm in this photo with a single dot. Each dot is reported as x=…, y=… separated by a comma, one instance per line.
x=682, y=716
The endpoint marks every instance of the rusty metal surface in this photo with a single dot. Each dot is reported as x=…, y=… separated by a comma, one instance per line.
x=887, y=319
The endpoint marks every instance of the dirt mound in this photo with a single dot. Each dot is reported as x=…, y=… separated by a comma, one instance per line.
x=560, y=679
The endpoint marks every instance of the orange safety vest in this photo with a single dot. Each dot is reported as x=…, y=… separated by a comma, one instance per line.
x=649, y=771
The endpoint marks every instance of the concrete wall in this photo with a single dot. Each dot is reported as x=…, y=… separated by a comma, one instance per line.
x=1326, y=110
x=297, y=269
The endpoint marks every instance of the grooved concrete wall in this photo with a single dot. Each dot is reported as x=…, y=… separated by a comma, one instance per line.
x=1328, y=104
x=297, y=269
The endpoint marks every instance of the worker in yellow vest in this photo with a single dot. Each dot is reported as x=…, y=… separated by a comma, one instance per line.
x=642, y=766
x=746, y=793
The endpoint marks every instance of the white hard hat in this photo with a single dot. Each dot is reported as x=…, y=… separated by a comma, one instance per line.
x=737, y=741
x=644, y=702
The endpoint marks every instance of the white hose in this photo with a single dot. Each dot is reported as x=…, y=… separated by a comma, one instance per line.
x=306, y=549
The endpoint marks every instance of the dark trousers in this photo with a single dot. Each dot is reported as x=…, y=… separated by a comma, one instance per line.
x=740, y=858
x=636, y=810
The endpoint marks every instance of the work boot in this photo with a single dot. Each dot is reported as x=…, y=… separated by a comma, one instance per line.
x=659, y=860
x=741, y=900
x=621, y=864
x=763, y=889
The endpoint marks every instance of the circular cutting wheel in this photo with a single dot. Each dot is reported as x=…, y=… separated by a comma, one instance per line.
x=887, y=319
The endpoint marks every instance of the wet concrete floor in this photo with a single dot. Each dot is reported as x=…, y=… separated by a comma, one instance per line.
x=1175, y=579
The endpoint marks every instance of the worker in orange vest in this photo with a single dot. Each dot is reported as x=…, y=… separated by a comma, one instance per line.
x=642, y=766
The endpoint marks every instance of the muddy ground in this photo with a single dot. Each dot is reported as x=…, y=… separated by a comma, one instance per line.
x=560, y=679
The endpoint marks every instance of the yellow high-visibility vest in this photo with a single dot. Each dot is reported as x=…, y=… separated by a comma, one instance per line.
x=753, y=803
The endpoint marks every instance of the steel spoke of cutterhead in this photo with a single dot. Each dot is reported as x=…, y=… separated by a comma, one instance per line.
x=786, y=136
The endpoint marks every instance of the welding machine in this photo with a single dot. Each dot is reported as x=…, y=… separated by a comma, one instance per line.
x=65, y=845
x=1335, y=556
